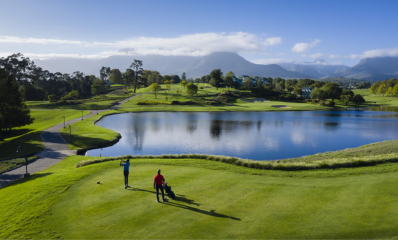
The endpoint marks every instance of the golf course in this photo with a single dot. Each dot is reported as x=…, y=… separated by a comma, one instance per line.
x=337, y=195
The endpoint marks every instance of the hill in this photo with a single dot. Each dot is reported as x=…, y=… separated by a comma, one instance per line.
x=378, y=68
x=317, y=69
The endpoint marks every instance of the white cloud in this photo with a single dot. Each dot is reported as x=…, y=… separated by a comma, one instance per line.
x=317, y=55
x=387, y=52
x=303, y=47
x=198, y=44
x=271, y=61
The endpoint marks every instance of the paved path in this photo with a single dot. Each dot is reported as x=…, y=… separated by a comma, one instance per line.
x=55, y=149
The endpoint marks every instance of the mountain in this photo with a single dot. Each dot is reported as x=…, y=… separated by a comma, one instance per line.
x=317, y=69
x=375, y=69
x=192, y=66
x=227, y=61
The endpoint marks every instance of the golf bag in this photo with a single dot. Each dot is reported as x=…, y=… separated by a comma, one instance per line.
x=169, y=193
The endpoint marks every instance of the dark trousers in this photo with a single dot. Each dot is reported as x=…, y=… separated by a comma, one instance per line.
x=126, y=177
x=157, y=191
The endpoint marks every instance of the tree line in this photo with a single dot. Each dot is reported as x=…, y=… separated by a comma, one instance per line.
x=387, y=87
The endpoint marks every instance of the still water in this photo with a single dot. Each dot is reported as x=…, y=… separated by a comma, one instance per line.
x=251, y=135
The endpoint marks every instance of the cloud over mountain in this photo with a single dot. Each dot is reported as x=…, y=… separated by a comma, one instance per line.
x=303, y=47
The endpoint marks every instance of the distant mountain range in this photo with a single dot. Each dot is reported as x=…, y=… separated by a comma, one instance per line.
x=367, y=69
x=170, y=65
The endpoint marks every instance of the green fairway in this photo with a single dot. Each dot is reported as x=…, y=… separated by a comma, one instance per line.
x=29, y=136
x=377, y=100
x=214, y=200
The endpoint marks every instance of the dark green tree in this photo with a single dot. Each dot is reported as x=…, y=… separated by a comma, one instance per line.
x=183, y=76
x=216, y=78
x=104, y=72
x=115, y=76
x=98, y=87
x=358, y=99
x=192, y=89
x=333, y=90
x=138, y=70
x=13, y=111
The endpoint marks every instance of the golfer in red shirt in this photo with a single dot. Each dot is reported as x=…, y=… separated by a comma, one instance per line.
x=159, y=179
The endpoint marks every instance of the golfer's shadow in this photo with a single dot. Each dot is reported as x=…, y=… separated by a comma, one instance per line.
x=181, y=198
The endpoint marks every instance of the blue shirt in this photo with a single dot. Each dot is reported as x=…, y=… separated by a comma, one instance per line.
x=126, y=166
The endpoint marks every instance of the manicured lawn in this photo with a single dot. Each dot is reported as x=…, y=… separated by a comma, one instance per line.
x=214, y=200
x=86, y=134
x=84, y=106
x=29, y=136
x=377, y=100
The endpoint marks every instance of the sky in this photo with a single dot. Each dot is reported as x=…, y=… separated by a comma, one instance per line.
x=263, y=32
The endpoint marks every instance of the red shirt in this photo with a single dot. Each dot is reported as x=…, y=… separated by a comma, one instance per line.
x=159, y=179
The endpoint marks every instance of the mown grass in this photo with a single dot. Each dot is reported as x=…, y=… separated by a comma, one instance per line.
x=214, y=200
x=29, y=136
x=86, y=134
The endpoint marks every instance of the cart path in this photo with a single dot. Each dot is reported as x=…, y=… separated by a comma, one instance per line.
x=55, y=148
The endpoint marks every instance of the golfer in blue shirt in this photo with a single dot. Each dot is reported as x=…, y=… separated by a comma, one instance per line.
x=126, y=165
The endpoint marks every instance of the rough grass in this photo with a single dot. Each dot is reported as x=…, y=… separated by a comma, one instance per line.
x=214, y=200
x=377, y=153
x=12, y=163
x=29, y=136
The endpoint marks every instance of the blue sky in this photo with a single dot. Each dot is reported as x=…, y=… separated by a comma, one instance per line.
x=261, y=31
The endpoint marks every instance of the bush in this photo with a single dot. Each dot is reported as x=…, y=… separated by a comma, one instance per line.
x=201, y=87
x=69, y=102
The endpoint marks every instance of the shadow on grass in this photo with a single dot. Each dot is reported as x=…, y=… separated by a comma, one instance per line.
x=182, y=198
x=8, y=180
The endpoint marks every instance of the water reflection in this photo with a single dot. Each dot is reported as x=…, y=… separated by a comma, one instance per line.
x=258, y=136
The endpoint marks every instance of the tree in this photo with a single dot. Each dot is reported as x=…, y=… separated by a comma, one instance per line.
x=128, y=76
x=230, y=74
x=389, y=91
x=358, y=99
x=319, y=93
x=115, y=76
x=138, y=70
x=229, y=81
x=259, y=83
x=333, y=90
x=99, y=86
x=216, y=78
x=183, y=83
x=247, y=84
x=192, y=89
x=395, y=90
x=167, y=83
x=297, y=91
x=382, y=89
x=373, y=89
x=13, y=111
x=183, y=76
x=345, y=98
x=104, y=72
x=73, y=94
x=155, y=88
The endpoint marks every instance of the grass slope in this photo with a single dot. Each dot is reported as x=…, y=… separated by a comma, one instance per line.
x=29, y=136
x=86, y=134
x=214, y=200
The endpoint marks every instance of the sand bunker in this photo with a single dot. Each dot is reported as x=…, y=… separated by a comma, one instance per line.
x=280, y=106
x=246, y=100
x=260, y=100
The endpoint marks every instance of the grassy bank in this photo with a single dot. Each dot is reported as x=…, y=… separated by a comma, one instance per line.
x=86, y=134
x=214, y=200
x=13, y=163
x=29, y=136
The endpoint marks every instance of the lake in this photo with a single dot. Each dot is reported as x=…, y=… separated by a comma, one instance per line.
x=250, y=135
